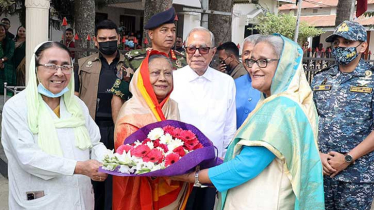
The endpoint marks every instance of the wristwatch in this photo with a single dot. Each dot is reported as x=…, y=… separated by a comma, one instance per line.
x=197, y=183
x=348, y=158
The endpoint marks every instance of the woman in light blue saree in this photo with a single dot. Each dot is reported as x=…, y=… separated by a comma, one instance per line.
x=273, y=162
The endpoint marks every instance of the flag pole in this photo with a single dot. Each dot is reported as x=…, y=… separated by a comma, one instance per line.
x=296, y=36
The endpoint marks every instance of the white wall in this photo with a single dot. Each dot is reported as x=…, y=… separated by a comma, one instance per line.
x=239, y=21
x=309, y=11
x=191, y=21
x=271, y=5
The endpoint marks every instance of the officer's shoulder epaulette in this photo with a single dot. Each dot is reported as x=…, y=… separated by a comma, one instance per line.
x=322, y=70
x=136, y=54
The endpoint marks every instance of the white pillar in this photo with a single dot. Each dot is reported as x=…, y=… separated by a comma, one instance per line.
x=37, y=18
x=204, y=17
x=191, y=20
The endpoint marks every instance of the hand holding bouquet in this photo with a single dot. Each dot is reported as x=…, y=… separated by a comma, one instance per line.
x=165, y=148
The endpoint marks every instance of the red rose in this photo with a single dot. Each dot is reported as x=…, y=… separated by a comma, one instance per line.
x=164, y=147
x=171, y=158
x=140, y=151
x=190, y=145
x=187, y=135
x=180, y=150
x=122, y=148
x=156, y=143
x=146, y=141
x=154, y=156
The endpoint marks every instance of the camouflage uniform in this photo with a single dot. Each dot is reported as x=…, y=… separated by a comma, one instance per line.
x=134, y=58
x=345, y=106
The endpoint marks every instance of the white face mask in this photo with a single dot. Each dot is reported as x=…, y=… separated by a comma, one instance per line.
x=44, y=91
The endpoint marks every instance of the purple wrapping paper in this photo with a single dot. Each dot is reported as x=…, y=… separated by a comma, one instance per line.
x=205, y=157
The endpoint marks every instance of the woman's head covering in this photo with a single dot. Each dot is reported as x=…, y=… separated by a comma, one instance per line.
x=40, y=119
x=286, y=124
x=144, y=100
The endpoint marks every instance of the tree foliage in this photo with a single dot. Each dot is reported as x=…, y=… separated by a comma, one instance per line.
x=285, y=24
x=59, y=9
x=14, y=7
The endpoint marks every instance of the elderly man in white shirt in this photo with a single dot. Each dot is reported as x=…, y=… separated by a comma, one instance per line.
x=206, y=99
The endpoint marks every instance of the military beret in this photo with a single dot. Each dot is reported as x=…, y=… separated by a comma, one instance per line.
x=161, y=18
x=349, y=30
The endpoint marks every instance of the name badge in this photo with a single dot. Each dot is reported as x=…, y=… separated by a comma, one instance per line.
x=322, y=88
x=361, y=89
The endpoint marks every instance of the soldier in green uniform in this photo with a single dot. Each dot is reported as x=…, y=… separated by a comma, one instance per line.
x=162, y=34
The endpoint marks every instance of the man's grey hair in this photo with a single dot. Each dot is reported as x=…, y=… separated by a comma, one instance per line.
x=152, y=57
x=276, y=42
x=199, y=28
x=251, y=39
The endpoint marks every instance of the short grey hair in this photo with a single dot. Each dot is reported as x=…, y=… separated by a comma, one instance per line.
x=276, y=42
x=251, y=39
x=152, y=57
x=199, y=28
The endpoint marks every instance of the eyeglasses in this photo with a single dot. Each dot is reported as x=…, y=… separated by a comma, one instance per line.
x=262, y=63
x=202, y=50
x=66, y=69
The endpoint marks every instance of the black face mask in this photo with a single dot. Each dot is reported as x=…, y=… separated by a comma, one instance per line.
x=108, y=48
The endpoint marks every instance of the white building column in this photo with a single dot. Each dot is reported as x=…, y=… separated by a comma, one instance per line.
x=37, y=17
x=191, y=20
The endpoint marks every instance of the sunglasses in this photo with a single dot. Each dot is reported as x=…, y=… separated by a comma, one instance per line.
x=202, y=50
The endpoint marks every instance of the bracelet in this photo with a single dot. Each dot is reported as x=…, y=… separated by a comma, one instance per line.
x=197, y=183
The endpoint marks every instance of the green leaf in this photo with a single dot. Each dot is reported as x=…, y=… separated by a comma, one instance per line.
x=143, y=171
x=285, y=24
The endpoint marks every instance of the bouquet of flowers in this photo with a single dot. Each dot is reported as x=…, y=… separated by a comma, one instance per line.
x=165, y=148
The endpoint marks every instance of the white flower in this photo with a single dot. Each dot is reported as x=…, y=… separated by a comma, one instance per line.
x=165, y=139
x=156, y=167
x=150, y=145
x=174, y=144
x=124, y=169
x=137, y=143
x=125, y=159
x=136, y=160
x=108, y=155
x=149, y=165
x=155, y=134
x=110, y=166
x=162, y=165
x=139, y=164
x=186, y=151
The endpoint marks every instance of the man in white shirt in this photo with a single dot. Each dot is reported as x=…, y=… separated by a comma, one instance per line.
x=206, y=99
